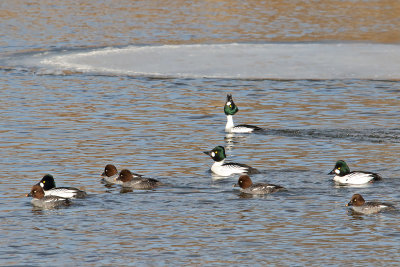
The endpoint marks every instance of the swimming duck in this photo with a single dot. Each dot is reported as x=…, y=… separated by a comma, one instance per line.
x=345, y=176
x=110, y=175
x=231, y=109
x=130, y=181
x=225, y=169
x=50, y=189
x=46, y=202
x=358, y=205
x=248, y=187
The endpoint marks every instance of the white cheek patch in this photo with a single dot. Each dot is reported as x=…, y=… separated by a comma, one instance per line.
x=41, y=185
x=337, y=171
x=212, y=154
x=228, y=103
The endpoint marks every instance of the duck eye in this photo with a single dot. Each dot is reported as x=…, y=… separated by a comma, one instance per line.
x=230, y=106
x=44, y=181
x=216, y=152
x=338, y=168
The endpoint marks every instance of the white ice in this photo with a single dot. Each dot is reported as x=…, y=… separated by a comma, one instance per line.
x=242, y=61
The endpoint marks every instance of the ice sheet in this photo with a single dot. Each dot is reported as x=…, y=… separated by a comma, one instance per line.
x=238, y=61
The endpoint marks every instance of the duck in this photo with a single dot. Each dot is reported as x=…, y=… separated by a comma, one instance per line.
x=246, y=186
x=231, y=109
x=50, y=189
x=128, y=180
x=226, y=169
x=110, y=175
x=46, y=202
x=358, y=205
x=345, y=177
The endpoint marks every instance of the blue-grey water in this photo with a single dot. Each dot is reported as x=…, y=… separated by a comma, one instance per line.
x=71, y=121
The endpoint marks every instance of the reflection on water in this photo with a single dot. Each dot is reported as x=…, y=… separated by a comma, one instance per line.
x=71, y=125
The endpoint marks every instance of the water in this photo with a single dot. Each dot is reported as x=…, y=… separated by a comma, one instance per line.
x=71, y=122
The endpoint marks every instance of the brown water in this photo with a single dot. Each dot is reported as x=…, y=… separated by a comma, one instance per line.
x=72, y=125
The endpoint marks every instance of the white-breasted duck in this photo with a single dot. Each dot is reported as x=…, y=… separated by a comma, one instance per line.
x=50, y=189
x=231, y=109
x=346, y=177
x=222, y=168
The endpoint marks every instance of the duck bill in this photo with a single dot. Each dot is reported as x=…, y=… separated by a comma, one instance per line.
x=235, y=185
x=28, y=195
x=332, y=172
x=103, y=174
x=208, y=153
x=349, y=204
